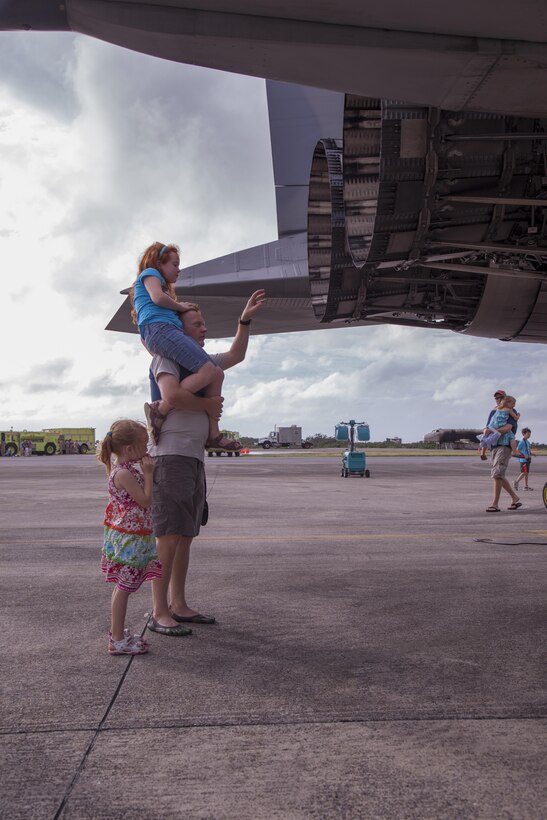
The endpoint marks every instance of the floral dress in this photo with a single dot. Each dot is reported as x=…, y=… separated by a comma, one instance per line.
x=129, y=554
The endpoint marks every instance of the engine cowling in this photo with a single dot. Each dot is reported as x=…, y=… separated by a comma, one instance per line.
x=431, y=218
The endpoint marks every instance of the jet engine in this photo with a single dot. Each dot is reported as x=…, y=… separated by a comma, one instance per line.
x=431, y=218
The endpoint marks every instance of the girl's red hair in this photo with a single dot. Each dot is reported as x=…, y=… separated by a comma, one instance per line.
x=150, y=259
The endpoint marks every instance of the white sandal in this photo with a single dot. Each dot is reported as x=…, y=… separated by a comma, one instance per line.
x=129, y=645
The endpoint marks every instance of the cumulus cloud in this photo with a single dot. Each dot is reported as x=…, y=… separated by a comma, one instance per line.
x=42, y=387
x=52, y=371
x=107, y=386
x=35, y=67
x=116, y=149
x=161, y=145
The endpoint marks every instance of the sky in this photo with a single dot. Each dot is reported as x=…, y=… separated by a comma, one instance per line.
x=103, y=151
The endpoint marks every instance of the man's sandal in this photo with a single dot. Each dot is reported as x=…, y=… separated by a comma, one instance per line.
x=222, y=443
x=492, y=508
x=515, y=505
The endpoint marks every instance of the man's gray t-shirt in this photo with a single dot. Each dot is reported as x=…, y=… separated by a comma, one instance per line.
x=184, y=432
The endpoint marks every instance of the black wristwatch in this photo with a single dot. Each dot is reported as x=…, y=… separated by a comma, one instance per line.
x=244, y=321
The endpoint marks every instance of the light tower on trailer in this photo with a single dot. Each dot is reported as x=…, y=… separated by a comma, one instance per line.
x=353, y=461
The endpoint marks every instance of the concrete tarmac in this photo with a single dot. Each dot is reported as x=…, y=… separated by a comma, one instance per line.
x=379, y=651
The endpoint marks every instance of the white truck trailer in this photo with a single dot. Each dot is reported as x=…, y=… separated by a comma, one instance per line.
x=285, y=437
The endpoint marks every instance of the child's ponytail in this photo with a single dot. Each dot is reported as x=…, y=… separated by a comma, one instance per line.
x=105, y=452
x=121, y=434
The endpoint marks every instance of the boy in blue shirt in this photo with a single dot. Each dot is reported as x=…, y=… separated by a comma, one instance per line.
x=525, y=458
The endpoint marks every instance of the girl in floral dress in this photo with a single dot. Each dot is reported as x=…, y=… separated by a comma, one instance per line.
x=129, y=551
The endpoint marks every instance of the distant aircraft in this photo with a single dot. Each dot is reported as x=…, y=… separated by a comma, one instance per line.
x=447, y=439
x=409, y=155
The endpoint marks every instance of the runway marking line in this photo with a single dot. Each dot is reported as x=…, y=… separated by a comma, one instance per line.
x=335, y=537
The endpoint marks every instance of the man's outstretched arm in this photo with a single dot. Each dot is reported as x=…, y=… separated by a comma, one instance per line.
x=238, y=350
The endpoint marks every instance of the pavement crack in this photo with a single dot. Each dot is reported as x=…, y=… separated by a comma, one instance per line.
x=91, y=743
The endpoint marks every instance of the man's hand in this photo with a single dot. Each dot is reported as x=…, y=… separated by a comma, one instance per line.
x=255, y=303
x=236, y=353
x=213, y=406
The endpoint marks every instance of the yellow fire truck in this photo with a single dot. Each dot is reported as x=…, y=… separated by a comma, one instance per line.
x=68, y=440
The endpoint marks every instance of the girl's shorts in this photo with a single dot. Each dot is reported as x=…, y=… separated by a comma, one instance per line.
x=163, y=339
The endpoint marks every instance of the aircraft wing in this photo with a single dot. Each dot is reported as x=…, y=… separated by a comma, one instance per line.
x=222, y=286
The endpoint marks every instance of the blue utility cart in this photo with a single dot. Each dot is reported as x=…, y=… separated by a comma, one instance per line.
x=353, y=461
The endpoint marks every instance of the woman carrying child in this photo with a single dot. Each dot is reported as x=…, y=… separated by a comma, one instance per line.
x=503, y=419
x=129, y=550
